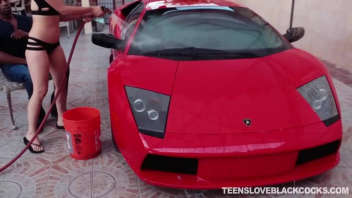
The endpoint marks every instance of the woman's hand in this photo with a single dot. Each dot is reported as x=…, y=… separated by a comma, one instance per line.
x=19, y=34
x=97, y=11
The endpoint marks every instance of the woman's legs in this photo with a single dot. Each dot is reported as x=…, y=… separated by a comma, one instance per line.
x=38, y=64
x=58, y=71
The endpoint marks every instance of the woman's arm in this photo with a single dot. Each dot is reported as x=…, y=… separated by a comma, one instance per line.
x=75, y=11
x=6, y=58
x=73, y=17
x=69, y=17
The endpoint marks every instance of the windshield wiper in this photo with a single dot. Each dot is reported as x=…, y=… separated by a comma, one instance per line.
x=197, y=53
x=168, y=52
x=186, y=51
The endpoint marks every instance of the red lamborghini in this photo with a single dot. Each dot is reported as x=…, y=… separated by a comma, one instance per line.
x=205, y=94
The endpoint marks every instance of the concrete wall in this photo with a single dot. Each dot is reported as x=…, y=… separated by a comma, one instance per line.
x=328, y=25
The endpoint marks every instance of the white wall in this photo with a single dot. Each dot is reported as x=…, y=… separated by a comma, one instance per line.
x=328, y=25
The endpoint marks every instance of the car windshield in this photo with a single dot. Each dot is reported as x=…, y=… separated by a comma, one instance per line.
x=198, y=33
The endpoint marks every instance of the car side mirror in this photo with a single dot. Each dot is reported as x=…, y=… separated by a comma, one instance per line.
x=108, y=41
x=294, y=34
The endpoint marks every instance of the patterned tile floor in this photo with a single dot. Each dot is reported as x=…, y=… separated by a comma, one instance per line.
x=55, y=174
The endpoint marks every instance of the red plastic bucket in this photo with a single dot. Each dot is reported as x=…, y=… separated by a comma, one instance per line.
x=82, y=126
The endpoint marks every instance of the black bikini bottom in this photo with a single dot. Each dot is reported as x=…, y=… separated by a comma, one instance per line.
x=36, y=44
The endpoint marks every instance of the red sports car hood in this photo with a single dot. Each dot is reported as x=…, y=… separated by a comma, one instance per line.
x=220, y=96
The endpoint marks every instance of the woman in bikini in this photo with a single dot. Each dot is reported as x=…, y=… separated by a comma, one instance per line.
x=44, y=54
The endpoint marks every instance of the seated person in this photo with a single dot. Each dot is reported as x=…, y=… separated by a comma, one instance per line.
x=13, y=40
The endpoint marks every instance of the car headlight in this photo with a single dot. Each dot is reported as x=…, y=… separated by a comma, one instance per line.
x=318, y=94
x=149, y=110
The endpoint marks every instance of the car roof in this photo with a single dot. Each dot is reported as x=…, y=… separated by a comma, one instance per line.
x=156, y=4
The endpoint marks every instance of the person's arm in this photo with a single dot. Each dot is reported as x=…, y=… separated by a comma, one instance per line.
x=88, y=16
x=6, y=58
x=75, y=11
x=68, y=18
x=73, y=17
